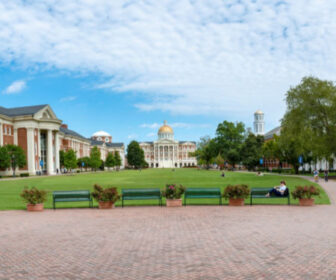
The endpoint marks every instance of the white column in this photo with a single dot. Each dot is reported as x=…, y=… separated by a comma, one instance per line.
x=57, y=149
x=50, y=167
x=31, y=151
x=39, y=147
x=15, y=136
x=1, y=134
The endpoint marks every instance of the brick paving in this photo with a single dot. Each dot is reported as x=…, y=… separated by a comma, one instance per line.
x=193, y=242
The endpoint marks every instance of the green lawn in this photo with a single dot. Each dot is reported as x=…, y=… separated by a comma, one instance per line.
x=150, y=178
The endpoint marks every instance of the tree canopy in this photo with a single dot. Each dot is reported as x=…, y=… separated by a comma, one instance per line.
x=70, y=159
x=135, y=155
x=110, y=160
x=205, y=151
x=17, y=157
x=251, y=151
x=95, y=161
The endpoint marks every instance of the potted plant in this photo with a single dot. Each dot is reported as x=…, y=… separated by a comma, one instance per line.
x=105, y=197
x=304, y=194
x=34, y=198
x=236, y=194
x=173, y=194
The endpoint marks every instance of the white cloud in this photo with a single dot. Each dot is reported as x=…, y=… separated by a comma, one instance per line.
x=186, y=57
x=68, y=98
x=132, y=136
x=151, y=134
x=15, y=87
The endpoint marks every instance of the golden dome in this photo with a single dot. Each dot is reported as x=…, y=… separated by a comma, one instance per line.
x=165, y=128
x=259, y=112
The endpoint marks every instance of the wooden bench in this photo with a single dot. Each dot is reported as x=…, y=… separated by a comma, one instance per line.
x=202, y=193
x=72, y=196
x=140, y=194
x=261, y=192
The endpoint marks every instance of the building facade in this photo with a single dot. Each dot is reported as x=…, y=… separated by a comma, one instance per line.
x=166, y=152
x=38, y=131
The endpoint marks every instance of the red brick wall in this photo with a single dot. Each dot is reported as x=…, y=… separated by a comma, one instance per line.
x=22, y=142
x=8, y=139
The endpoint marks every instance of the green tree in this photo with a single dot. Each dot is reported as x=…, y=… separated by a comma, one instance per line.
x=110, y=160
x=117, y=159
x=61, y=158
x=220, y=161
x=85, y=160
x=17, y=157
x=311, y=118
x=5, y=160
x=70, y=159
x=251, y=151
x=95, y=161
x=229, y=138
x=135, y=155
x=205, y=151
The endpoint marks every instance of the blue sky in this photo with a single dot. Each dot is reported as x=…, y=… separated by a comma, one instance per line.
x=125, y=66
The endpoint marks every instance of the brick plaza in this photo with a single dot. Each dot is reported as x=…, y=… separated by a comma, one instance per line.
x=193, y=242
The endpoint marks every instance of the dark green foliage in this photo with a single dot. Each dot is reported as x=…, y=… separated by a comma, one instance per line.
x=24, y=175
x=104, y=195
x=110, y=160
x=33, y=195
x=172, y=191
x=236, y=191
x=305, y=192
x=70, y=160
x=206, y=151
x=117, y=159
x=95, y=161
x=5, y=160
x=61, y=158
x=17, y=157
x=135, y=155
x=86, y=161
x=309, y=125
x=251, y=151
x=229, y=139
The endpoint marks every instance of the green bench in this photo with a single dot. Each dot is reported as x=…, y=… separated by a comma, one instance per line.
x=72, y=196
x=202, y=193
x=261, y=192
x=140, y=194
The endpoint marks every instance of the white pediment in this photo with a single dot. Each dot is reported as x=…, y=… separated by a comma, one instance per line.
x=46, y=114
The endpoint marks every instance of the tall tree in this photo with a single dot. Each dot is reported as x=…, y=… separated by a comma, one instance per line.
x=135, y=155
x=205, y=152
x=95, y=161
x=61, y=158
x=85, y=161
x=117, y=159
x=17, y=157
x=110, y=160
x=229, y=138
x=251, y=151
x=311, y=117
x=70, y=159
x=5, y=160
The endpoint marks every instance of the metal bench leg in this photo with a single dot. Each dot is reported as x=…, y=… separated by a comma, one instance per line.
x=251, y=200
x=220, y=200
x=185, y=201
x=54, y=205
x=122, y=203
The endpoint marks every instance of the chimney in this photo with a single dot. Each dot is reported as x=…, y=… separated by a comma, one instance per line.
x=64, y=125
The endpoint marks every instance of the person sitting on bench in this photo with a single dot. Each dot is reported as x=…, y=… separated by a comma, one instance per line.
x=278, y=190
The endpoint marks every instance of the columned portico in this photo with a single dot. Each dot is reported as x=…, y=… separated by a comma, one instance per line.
x=57, y=146
x=50, y=160
x=30, y=151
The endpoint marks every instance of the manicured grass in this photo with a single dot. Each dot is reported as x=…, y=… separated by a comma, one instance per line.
x=151, y=178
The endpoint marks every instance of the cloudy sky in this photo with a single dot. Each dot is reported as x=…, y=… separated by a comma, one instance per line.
x=125, y=66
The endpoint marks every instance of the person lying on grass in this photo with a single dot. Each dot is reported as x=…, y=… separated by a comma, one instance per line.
x=281, y=190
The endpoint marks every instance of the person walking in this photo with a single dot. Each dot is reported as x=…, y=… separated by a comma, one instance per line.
x=326, y=173
x=316, y=175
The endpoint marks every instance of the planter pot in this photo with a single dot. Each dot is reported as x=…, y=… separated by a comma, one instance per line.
x=306, y=201
x=105, y=205
x=236, y=202
x=35, y=207
x=174, y=202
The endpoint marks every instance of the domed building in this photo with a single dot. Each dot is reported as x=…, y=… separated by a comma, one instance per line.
x=102, y=136
x=166, y=152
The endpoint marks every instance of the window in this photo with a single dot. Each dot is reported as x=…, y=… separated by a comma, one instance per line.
x=99, y=139
x=106, y=139
x=5, y=130
x=9, y=131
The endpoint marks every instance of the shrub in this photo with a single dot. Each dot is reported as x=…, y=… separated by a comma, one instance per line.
x=236, y=191
x=78, y=171
x=33, y=195
x=104, y=195
x=305, y=192
x=173, y=191
x=24, y=175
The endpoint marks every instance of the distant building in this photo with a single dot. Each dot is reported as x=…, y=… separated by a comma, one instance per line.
x=259, y=123
x=168, y=153
x=38, y=131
